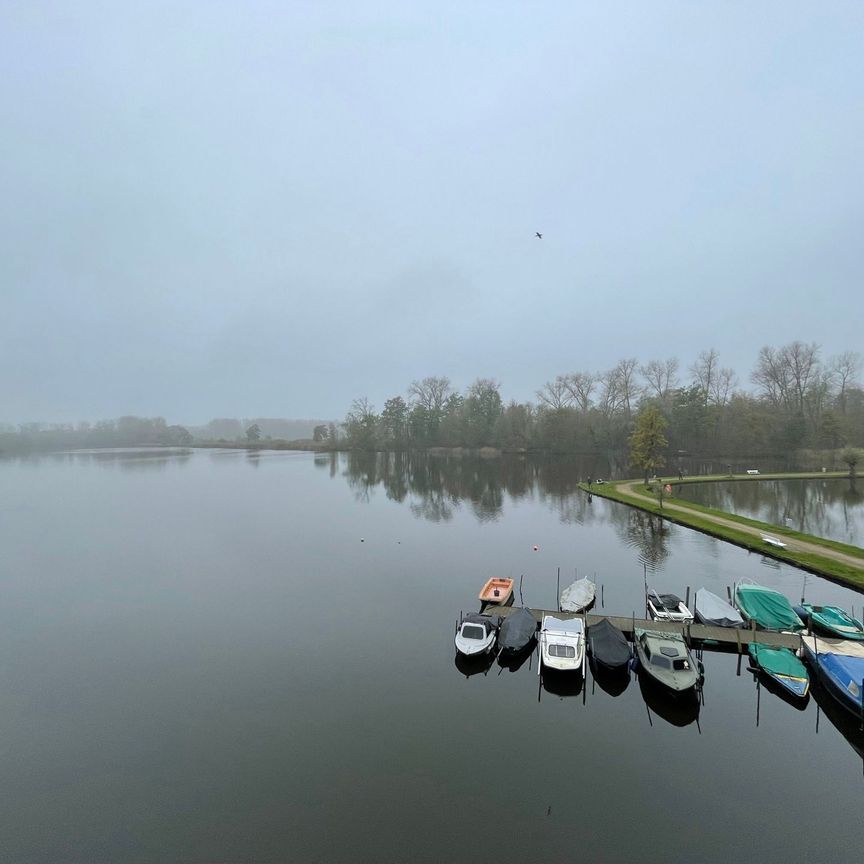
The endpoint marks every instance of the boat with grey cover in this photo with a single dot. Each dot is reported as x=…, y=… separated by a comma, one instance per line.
x=517, y=631
x=609, y=646
x=667, y=659
x=713, y=610
x=578, y=595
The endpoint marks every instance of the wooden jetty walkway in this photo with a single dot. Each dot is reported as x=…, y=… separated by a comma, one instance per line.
x=734, y=639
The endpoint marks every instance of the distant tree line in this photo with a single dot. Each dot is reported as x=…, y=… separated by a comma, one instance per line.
x=122, y=432
x=798, y=400
x=133, y=431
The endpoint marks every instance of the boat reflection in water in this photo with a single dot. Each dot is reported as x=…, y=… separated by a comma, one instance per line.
x=561, y=684
x=768, y=683
x=679, y=709
x=475, y=664
x=515, y=660
x=612, y=681
x=841, y=719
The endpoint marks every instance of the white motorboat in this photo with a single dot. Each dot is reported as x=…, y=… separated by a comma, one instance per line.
x=476, y=634
x=562, y=644
x=668, y=607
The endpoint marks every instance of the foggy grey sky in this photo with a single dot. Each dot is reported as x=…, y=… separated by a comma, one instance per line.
x=268, y=209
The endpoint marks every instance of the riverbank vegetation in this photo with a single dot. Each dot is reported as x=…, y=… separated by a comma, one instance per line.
x=798, y=401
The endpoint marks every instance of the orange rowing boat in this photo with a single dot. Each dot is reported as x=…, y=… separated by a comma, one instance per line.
x=497, y=591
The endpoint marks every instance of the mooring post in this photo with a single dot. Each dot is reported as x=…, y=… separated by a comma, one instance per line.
x=687, y=601
x=603, y=602
x=729, y=594
x=645, y=583
x=558, y=591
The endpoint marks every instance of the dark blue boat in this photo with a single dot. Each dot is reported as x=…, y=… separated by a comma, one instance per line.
x=839, y=663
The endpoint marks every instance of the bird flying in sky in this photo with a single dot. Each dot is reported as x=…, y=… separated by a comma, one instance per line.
x=538, y=235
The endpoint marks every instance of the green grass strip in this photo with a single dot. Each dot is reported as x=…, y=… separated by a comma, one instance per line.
x=837, y=571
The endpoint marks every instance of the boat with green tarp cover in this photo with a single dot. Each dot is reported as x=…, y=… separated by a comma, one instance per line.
x=768, y=608
x=781, y=665
x=832, y=620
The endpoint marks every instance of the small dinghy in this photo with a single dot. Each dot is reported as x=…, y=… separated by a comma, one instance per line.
x=517, y=631
x=667, y=659
x=831, y=620
x=781, y=666
x=668, y=607
x=768, y=608
x=609, y=646
x=476, y=634
x=839, y=663
x=715, y=611
x=578, y=595
x=497, y=592
x=562, y=644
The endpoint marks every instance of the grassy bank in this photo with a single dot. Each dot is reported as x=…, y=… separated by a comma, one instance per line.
x=698, y=517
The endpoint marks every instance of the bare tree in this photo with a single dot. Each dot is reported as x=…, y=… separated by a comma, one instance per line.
x=618, y=388
x=555, y=394
x=785, y=374
x=610, y=402
x=772, y=376
x=431, y=393
x=803, y=363
x=844, y=370
x=704, y=371
x=660, y=376
x=626, y=373
x=581, y=385
x=722, y=386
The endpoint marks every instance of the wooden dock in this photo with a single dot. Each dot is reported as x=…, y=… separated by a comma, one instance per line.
x=734, y=639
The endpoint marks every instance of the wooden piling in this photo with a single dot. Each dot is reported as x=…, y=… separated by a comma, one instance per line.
x=558, y=591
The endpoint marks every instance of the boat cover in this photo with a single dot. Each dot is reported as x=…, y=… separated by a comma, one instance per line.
x=564, y=625
x=517, y=630
x=578, y=595
x=609, y=646
x=847, y=674
x=777, y=661
x=667, y=602
x=712, y=609
x=832, y=619
x=768, y=608
x=488, y=624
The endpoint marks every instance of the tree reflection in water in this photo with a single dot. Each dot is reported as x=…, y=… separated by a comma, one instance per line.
x=436, y=485
x=830, y=507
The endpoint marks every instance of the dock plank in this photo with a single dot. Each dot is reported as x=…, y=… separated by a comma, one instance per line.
x=734, y=639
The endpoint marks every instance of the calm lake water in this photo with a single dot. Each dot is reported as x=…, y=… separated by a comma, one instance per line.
x=827, y=508
x=222, y=657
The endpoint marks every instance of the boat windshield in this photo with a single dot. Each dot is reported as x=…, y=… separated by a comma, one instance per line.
x=661, y=662
x=566, y=651
x=680, y=664
x=473, y=631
